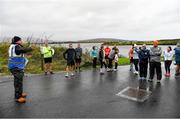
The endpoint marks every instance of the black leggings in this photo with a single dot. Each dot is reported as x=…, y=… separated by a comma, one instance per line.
x=110, y=63
x=94, y=62
x=143, y=68
x=116, y=65
x=102, y=63
x=167, y=65
x=136, y=62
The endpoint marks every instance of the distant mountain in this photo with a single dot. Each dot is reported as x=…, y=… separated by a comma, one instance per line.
x=95, y=40
x=100, y=40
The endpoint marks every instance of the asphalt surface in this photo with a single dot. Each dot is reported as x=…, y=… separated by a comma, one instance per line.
x=91, y=95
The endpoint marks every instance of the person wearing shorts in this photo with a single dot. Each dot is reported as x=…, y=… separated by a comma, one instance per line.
x=48, y=53
x=70, y=55
x=78, y=56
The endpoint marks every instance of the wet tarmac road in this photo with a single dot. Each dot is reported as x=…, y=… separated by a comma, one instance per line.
x=91, y=95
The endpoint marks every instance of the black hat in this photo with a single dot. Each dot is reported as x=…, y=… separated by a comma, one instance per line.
x=15, y=39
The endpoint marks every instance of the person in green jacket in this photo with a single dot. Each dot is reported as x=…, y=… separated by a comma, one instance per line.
x=48, y=53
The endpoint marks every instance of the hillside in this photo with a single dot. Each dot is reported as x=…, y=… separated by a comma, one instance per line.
x=110, y=41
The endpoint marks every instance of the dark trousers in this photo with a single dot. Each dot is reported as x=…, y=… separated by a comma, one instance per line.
x=136, y=62
x=155, y=66
x=167, y=65
x=116, y=65
x=110, y=63
x=18, y=82
x=94, y=62
x=102, y=63
x=143, y=66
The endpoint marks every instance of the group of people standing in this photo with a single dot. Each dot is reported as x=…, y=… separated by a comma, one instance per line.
x=106, y=57
x=142, y=56
x=73, y=57
x=17, y=63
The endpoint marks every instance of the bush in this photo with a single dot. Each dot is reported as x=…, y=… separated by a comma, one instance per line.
x=35, y=59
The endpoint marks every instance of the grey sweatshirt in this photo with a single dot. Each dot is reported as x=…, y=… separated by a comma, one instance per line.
x=155, y=54
x=78, y=52
x=135, y=53
x=112, y=54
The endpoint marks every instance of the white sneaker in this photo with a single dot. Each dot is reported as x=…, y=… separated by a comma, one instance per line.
x=136, y=72
x=108, y=70
x=101, y=71
x=66, y=75
x=72, y=74
x=115, y=70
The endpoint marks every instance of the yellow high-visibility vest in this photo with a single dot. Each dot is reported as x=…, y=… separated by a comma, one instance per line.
x=47, y=52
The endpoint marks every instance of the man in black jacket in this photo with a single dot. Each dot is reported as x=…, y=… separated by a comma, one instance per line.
x=16, y=65
x=70, y=55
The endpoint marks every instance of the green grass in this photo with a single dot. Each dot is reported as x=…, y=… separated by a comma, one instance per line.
x=123, y=61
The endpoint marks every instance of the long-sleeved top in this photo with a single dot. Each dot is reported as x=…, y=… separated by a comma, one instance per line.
x=135, y=53
x=155, y=54
x=101, y=55
x=94, y=53
x=112, y=54
x=144, y=55
x=177, y=54
x=70, y=54
x=168, y=55
x=20, y=50
x=78, y=52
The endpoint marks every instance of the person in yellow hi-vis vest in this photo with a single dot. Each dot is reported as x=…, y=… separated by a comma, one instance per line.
x=48, y=53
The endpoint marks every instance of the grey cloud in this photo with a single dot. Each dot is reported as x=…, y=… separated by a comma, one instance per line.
x=84, y=19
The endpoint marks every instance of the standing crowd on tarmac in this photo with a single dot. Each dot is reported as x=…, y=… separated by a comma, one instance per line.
x=142, y=56
x=108, y=58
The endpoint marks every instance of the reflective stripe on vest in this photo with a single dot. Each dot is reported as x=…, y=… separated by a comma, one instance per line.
x=15, y=61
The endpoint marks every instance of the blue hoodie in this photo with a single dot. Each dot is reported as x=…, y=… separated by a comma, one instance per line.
x=144, y=55
x=177, y=54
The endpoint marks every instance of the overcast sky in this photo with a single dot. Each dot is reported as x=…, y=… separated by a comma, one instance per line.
x=86, y=19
